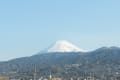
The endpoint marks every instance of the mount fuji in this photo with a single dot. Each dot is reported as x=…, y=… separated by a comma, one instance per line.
x=63, y=46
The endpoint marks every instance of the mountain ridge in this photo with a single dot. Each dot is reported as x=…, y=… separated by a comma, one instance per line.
x=97, y=61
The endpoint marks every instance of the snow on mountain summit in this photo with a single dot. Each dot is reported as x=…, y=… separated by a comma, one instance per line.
x=64, y=46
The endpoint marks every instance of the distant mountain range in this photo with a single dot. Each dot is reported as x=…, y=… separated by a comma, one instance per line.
x=105, y=60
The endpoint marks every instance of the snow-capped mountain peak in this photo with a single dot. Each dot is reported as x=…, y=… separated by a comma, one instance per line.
x=64, y=46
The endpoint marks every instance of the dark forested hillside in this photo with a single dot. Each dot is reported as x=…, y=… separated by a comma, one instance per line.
x=101, y=61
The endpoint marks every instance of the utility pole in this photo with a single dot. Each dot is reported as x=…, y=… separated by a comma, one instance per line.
x=35, y=72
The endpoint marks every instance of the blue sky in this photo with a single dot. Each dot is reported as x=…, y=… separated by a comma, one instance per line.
x=28, y=26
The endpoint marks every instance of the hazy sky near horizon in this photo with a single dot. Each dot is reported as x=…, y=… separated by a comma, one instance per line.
x=29, y=26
